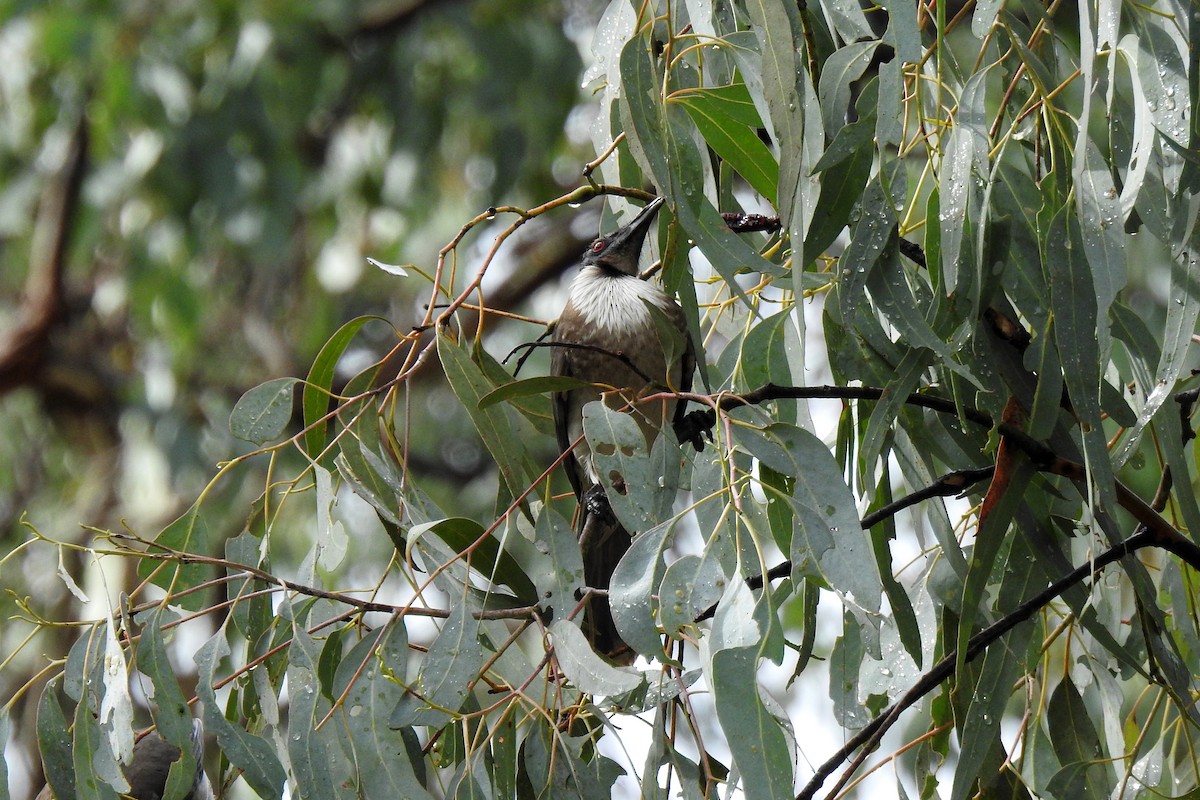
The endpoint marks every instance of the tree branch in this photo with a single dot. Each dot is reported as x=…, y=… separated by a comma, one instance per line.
x=1153, y=531
x=868, y=738
x=23, y=347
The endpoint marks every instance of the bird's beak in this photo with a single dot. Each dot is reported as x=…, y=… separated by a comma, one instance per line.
x=632, y=235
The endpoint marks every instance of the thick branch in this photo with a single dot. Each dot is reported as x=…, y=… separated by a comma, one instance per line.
x=23, y=347
x=1042, y=456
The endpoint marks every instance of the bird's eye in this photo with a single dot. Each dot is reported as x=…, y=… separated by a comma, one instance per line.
x=598, y=246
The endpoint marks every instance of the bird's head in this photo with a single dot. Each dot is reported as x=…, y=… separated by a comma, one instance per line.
x=619, y=250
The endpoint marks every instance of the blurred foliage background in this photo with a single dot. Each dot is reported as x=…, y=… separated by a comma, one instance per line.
x=237, y=164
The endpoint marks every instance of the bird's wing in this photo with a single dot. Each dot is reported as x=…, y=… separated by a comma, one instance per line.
x=560, y=364
x=687, y=368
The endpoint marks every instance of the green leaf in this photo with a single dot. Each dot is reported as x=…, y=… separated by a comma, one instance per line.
x=561, y=766
x=779, y=513
x=685, y=774
x=318, y=763
x=450, y=667
x=172, y=717
x=987, y=693
x=640, y=485
x=252, y=616
x=841, y=189
x=839, y=71
x=869, y=239
x=903, y=33
x=845, y=666
x=589, y=672
x=534, y=407
x=690, y=585
x=5, y=728
x=263, y=413
x=915, y=314
x=318, y=387
x=829, y=540
x=1042, y=360
x=672, y=340
x=87, y=651
x=252, y=754
x=756, y=740
x=1177, y=345
x=851, y=140
x=487, y=558
x=906, y=377
x=555, y=563
x=1076, y=743
x=731, y=102
x=188, y=534
x=848, y=19
x=764, y=358
x=504, y=755
x=1165, y=78
x=54, y=742
x=787, y=90
x=1073, y=298
x=961, y=191
x=376, y=479
x=96, y=769
x=498, y=429
x=541, y=385
x=633, y=589
x=735, y=141
x=663, y=139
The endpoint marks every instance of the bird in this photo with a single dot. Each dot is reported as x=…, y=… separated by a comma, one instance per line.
x=152, y=759
x=607, y=335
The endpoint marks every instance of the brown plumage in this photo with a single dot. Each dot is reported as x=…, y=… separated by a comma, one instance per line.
x=606, y=316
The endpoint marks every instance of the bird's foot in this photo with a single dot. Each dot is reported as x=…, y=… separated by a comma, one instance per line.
x=695, y=427
x=595, y=502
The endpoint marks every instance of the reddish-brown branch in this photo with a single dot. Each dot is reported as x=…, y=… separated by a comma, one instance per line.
x=23, y=347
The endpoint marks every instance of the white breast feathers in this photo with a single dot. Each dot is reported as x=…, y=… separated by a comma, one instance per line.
x=616, y=302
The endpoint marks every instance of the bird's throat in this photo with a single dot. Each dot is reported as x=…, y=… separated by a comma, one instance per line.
x=616, y=303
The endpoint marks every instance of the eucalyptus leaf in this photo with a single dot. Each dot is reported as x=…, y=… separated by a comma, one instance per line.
x=263, y=413
x=588, y=671
x=829, y=540
x=188, y=534
x=318, y=387
x=172, y=717
x=450, y=668
x=759, y=747
x=54, y=743
x=250, y=753
x=640, y=489
x=318, y=764
x=632, y=589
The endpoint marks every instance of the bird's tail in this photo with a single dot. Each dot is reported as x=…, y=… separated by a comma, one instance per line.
x=603, y=543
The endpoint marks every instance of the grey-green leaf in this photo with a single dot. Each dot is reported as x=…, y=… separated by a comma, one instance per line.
x=589, y=672
x=54, y=742
x=318, y=764
x=633, y=586
x=262, y=414
x=759, y=748
x=450, y=667
x=385, y=769
x=252, y=754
